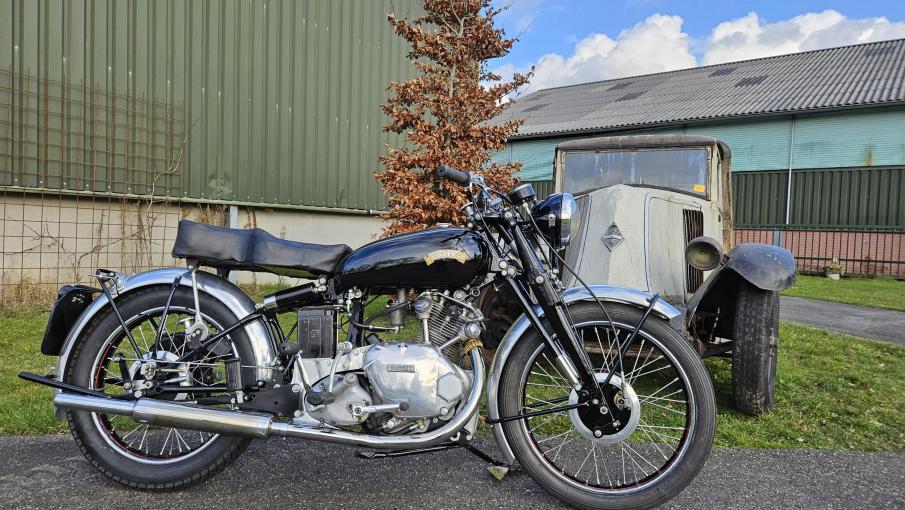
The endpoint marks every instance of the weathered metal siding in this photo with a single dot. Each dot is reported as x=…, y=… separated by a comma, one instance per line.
x=755, y=145
x=278, y=99
x=536, y=157
x=864, y=198
x=759, y=198
x=867, y=138
x=842, y=197
x=543, y=189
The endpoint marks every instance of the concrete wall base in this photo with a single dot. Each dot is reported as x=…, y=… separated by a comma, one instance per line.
x=50, y=240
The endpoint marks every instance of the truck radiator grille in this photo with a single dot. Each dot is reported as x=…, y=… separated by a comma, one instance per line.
x=694, y=227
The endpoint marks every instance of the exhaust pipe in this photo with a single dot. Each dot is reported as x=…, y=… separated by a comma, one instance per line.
x=219, y=421
x=170, y=414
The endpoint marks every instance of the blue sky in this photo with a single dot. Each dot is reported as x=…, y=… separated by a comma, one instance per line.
x=574, y=41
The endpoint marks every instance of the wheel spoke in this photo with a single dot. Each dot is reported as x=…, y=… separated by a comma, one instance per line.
x=148, y=443
x=645, y=450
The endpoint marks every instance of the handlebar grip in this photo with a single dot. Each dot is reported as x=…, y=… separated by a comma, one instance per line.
x=450, y=173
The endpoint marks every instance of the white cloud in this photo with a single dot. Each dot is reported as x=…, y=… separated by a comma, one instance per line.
x=656, y=44
x=752, y=37
x=659, y=44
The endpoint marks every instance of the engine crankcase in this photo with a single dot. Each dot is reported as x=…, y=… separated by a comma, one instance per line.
x=348, y=393
x=417, y=374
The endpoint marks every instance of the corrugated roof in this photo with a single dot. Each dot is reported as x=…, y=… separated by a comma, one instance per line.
x=849, y=76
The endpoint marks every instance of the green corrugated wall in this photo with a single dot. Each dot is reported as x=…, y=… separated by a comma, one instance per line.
x=867, y=197
x=279, y=98
x=755, y=145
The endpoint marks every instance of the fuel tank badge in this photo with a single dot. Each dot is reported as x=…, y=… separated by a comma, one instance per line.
x=447, y=254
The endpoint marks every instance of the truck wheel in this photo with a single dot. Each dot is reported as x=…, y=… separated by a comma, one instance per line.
x=755, y=343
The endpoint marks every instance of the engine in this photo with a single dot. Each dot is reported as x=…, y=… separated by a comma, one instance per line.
x=448, y=320
x=416, y=378
x=398, y=386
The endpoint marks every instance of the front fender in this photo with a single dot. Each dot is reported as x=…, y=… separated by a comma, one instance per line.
x=765, y=266
x=218, y=288
x=605, y=293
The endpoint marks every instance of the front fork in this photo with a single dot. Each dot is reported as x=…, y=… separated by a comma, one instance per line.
x=571, y=355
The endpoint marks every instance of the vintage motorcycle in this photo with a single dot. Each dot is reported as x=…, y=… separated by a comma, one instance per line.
x=165, y=376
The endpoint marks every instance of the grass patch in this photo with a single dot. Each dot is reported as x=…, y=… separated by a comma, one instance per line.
x=25, y=408
x=887, y=293
x=833, y=391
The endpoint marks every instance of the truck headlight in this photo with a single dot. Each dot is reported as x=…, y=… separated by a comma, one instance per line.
x=704, y=253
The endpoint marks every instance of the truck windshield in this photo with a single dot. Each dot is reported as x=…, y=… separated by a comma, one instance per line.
x=682, y=170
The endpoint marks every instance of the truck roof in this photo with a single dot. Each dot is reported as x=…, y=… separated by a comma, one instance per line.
x=643, y=142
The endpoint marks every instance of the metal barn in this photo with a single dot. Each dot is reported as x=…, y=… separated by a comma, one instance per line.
x=117, y=119
x=817, y=139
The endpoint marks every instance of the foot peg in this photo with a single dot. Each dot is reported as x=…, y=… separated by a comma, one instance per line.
x=320, y=398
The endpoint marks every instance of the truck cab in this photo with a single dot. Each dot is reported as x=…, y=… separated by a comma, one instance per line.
x=642, y=199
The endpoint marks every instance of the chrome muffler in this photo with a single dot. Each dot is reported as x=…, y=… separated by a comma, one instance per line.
x=220, y=421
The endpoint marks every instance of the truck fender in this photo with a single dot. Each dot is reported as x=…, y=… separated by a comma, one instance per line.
x=765, y=266
x=521, y=326
x=222, y=290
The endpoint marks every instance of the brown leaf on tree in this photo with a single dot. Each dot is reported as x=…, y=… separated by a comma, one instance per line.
x=444, y=113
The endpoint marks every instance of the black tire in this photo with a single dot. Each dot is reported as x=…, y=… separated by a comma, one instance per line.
x=117, y=463
x=754, y=348
x=691, y=452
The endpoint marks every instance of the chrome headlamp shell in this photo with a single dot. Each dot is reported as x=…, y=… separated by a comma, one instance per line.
x=557, y=217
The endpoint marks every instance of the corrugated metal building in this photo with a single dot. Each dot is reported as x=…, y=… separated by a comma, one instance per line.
x=270, y=105
x=832, y=120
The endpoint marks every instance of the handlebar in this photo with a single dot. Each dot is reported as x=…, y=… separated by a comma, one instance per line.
x=449, y=173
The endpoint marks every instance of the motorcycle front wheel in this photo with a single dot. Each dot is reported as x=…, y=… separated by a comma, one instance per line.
x=641, y=449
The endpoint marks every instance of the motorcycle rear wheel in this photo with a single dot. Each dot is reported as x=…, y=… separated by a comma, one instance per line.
x=134, y=454
x=647, y=451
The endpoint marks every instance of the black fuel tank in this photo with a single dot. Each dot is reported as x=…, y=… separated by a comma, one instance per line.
x=440, y=258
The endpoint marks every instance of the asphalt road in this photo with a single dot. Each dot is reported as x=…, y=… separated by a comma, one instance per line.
x=49, y=472
x=874, y=323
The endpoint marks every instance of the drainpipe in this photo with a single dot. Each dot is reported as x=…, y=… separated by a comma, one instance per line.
x=779, y=240
x=234, y=223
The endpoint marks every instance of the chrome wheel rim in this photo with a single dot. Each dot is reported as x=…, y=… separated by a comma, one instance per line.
x=621, y=463
x=142, y=442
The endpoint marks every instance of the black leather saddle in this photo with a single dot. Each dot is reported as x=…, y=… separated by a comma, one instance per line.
x=254, y=250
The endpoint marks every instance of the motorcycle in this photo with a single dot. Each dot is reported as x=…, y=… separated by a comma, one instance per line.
x=166, y=376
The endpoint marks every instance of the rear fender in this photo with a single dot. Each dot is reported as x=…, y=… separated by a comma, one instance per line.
x=69, y=306
x=605, y=293
x=765, y=266
x=262, y=343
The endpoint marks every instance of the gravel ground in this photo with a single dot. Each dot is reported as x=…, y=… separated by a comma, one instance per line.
x=49, y=472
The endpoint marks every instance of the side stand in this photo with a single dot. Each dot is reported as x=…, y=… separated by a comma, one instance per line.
x=497, y=469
